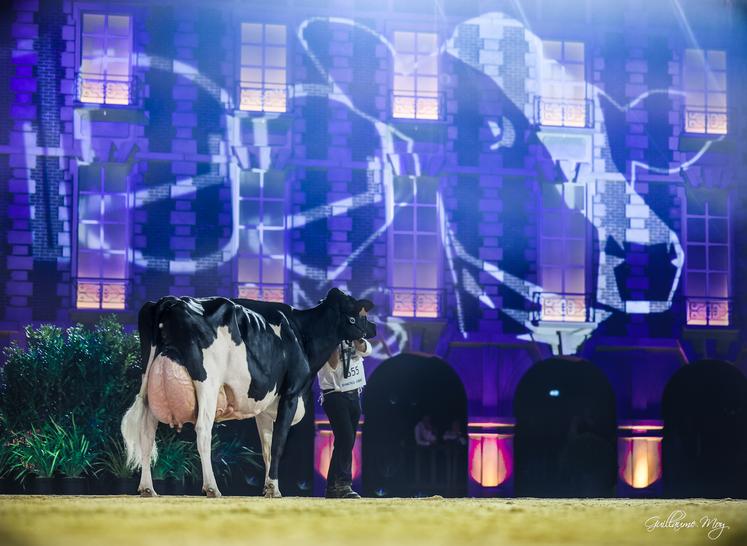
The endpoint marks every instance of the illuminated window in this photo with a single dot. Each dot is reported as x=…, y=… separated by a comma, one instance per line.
x=563, y=98
x=639, y=460
x=261, y=254
x=263, y=68
x=415, y=247
x=707, y=260
x=106, y=47
x=563, y=246
x=490, y=458
x=704, y=82
x=103, y=235
x=415, y=75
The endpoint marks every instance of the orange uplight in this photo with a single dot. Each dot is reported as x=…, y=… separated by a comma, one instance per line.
x=639, y=460
x=323, y=447
x=490, y=458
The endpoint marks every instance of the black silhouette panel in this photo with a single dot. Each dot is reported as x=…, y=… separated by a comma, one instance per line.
x=565, y=443
x=704, y=451
x=401, y=392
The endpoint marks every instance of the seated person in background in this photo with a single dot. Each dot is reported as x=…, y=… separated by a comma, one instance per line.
x=424, y=434
x=454, y=434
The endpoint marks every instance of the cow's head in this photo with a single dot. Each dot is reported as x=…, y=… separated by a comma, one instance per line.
x=353, y=320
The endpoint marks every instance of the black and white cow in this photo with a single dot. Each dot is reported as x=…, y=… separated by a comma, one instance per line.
x=215, y=359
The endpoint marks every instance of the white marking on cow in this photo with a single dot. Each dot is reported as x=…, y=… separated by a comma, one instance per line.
x=265, y=426
x=255, y=317
x=300, y=411
x=276, y=329
x=195, y=307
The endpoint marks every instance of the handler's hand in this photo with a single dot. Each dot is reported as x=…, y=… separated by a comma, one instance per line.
x=360, y=345
x=334, y=360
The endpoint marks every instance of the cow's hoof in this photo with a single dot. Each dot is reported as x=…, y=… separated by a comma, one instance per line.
x=147, y=492
x=211, y=492
x=271, y=491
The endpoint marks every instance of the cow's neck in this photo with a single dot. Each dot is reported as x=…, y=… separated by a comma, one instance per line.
x=319, y=327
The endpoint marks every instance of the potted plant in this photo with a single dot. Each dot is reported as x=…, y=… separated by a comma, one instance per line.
x=113, y=472
x=76, y=458
x=36, y=455
x=177, y=461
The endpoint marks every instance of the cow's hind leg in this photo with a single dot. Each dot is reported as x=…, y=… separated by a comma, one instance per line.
x=148, y=426
x=264, y=427
x=207, y=400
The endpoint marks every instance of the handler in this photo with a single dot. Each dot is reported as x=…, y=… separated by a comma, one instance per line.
x=341, y=380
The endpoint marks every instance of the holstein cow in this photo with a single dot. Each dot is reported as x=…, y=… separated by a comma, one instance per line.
x=215, y=359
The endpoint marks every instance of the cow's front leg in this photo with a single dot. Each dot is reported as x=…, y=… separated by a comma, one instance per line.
x=286, y=411
x=207, y=401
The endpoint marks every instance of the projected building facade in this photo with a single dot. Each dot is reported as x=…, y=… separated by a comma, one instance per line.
x=505, y=181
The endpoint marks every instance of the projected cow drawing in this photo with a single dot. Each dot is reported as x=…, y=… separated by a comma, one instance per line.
x=568, y=170
x=566, y=160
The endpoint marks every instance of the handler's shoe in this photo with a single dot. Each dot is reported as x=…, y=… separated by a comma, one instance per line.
x=349, y=493
x=346, y=492
x=333, y=492
x=341, y=492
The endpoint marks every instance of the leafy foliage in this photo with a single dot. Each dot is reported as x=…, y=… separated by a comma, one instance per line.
x=177, y=459
x=76, y=454
x=36, y=453
x=88, y=376
x=229, y=454
x=113, y=459
x=6, y=459
x=52, y=448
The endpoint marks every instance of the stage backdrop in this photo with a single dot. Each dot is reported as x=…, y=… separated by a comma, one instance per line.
x=507, y=181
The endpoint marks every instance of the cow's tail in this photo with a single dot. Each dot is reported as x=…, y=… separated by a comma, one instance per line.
x=135, y=419
x=133, y=422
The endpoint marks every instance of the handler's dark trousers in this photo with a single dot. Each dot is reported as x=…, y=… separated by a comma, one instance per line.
x=343, y=410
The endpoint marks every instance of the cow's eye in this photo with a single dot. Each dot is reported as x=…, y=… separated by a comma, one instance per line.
x=351, y=320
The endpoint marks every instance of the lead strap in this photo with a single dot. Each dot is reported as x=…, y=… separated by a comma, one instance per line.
x=345, y=361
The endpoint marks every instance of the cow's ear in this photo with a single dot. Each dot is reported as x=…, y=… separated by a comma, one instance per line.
x=364, y=304
x=334, y=294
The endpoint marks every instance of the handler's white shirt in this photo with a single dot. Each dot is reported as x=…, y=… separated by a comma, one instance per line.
x=332, y=379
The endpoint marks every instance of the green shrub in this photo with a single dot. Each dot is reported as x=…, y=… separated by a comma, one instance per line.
x=89, y=376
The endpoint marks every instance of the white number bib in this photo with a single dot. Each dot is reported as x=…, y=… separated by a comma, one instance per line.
x=356, y=379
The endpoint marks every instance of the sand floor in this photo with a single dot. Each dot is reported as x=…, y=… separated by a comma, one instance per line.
x=187, y=521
